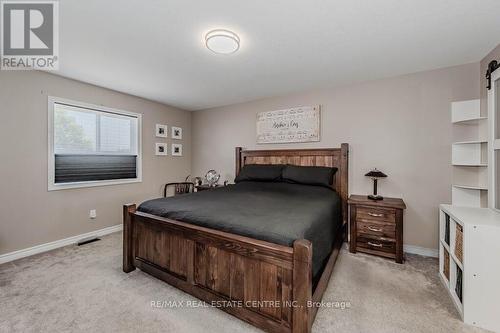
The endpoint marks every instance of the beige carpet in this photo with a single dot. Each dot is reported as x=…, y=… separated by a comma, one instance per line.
x=76, y=289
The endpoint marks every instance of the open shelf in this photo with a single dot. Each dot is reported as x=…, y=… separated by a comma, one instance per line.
x=469, y=153
x=457, y=262
x=471, y=164
x=468, y=196
x=454, y=269
x=470, y=121
x=471, y=187
x=466, y=111
x=469, y=142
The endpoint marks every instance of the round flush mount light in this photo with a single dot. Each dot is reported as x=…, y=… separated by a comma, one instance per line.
x=222, y=41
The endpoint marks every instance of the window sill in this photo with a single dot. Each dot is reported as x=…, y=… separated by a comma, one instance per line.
x=67, y=186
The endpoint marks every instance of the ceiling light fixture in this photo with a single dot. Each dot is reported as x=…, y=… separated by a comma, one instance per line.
x=222, y=41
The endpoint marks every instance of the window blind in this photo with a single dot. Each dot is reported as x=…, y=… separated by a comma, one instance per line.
x=82, y=168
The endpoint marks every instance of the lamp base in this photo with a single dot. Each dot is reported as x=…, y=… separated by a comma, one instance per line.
x=375, y=197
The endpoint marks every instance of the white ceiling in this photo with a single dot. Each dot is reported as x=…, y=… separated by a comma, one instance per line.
x=155, y=48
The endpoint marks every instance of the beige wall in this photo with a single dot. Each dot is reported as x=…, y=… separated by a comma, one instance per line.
x=31, y=215
x=400, y=125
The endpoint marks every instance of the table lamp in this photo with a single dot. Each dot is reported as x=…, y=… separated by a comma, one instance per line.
x=375, y=175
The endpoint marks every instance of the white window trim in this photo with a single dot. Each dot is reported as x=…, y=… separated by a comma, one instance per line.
x=52, y=186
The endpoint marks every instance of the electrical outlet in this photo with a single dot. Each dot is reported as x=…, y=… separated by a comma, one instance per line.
x=92, y=214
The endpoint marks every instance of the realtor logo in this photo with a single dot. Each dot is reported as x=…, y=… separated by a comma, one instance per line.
x=30, y=35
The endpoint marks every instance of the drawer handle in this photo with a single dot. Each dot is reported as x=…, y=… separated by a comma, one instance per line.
x=374, y=229
x=375, y=215
x=375, y=244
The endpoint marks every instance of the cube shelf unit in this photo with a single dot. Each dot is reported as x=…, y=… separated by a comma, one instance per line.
x=468, y=154
x=469, y=262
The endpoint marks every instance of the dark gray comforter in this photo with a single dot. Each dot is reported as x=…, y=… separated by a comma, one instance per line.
x=276, y=212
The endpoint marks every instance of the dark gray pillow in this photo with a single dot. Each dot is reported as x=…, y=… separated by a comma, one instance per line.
x=309, y=175
x=260, y=173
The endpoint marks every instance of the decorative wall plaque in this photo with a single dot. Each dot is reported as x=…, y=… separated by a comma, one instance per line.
x=300, y=124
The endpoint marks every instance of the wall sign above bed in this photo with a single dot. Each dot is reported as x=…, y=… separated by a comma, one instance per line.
x=300, y=124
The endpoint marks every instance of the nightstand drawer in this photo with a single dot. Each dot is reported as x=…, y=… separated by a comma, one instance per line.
x=375, y=214
x=377, y=229
x=376, y=244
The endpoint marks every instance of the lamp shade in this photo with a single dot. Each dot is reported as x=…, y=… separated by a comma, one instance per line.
x=376, y=174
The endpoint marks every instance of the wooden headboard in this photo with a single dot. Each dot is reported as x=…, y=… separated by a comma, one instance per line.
x=330, y=157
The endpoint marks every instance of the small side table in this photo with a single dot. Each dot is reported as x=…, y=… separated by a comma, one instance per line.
x=376, y=227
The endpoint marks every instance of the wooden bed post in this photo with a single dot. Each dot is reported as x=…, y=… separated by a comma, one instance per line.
x=128, y=244
x=344, y=190
x=237, y=161
x=302, y=286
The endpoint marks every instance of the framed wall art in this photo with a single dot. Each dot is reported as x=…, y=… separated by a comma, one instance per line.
x=176, y=149
x=176, y=133
x=161, y=149
x=299, y=124
x=161, y=131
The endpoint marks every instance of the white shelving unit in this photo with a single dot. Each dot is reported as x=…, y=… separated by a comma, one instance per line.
x=470, y=154
x=476, y=295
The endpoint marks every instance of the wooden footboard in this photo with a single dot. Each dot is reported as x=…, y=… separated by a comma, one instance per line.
x=266, y=284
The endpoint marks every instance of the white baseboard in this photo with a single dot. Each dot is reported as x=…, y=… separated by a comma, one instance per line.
x=423, y=251
x=56, y=244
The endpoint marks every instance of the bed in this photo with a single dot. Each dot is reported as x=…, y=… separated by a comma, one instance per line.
x=264, y=262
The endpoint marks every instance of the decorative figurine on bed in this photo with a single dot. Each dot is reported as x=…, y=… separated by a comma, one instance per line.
x=212, y=177
x=375, y=175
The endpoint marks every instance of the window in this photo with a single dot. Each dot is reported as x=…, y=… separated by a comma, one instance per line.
x=92, y=145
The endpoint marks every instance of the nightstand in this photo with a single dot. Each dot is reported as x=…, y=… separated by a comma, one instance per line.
x=376, y=227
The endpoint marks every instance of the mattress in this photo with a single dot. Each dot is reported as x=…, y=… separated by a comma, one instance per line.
x=276, y=212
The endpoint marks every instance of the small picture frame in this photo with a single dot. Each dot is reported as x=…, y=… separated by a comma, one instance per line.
x=161, y=149
x=176, y=149
x=161, y=131
x=176, y=133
